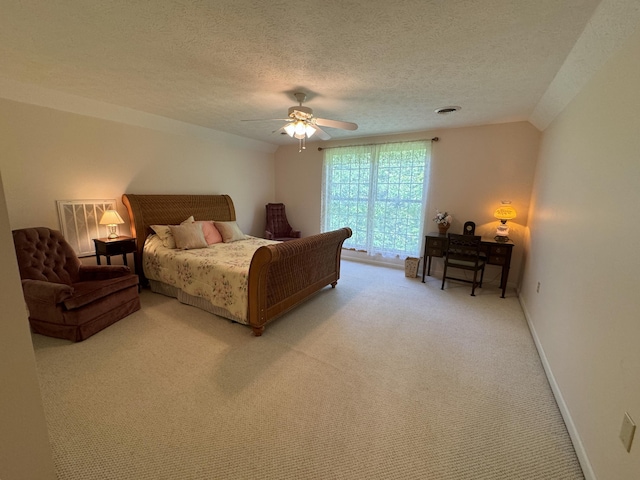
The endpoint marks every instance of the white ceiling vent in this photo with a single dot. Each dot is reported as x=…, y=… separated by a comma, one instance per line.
x=446, y=110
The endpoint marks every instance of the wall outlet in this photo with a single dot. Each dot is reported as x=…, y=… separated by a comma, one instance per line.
x=538, y=288
x=627, y=431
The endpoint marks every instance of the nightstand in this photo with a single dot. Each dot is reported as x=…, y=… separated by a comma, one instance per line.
x=114, y=246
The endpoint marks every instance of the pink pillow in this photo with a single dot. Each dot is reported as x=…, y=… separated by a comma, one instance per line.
x=211, y=233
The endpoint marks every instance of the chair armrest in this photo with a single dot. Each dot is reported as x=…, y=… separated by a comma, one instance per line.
x=268, y=235
x=102, y=272
x=46, y=292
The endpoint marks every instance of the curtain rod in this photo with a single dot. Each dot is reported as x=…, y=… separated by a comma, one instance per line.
x=434, y=139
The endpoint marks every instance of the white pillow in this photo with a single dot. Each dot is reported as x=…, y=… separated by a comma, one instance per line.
x=164, y=233
x=188, y=236
x=230, y=231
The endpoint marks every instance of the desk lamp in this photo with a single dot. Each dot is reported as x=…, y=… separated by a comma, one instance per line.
x=111, y=219
x=503, y=213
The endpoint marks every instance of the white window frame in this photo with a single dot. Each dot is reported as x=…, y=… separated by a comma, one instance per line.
x=376, y=164
x=80, y=223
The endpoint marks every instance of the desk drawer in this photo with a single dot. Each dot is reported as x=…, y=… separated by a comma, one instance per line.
x=435, y=242
x=497, y=260
x=435, y=246
x=502, y=250
x=499, y=254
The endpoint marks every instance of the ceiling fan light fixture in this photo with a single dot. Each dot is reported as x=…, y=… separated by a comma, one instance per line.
x=302, y=124
x=300, y=129
x=309, y=130
x=290, y=128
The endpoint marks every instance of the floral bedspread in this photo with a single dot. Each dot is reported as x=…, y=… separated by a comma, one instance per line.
x=218, y=273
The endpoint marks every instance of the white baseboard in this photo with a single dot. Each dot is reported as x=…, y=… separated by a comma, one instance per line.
x=585, y=464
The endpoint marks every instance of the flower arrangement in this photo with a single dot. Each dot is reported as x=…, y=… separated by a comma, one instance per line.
x=442, y=218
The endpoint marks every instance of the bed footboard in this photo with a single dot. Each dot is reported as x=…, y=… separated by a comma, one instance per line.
x=283, y=275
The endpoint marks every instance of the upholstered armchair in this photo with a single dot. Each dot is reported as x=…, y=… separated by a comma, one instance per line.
x=278, y=227
x=66, y=299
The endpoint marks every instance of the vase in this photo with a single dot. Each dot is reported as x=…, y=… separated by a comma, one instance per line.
x=443, y=227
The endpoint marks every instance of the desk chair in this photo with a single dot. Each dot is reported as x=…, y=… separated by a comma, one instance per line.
x=464, y=253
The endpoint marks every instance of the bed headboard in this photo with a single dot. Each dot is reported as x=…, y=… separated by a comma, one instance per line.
x=147, y=210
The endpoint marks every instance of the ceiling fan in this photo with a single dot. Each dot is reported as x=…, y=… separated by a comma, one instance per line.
x=301, y=123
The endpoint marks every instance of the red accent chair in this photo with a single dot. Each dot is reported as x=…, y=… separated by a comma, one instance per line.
x=278, y=227
x=66, y=299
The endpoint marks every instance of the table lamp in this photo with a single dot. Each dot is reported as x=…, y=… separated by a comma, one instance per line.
x=503, y=213
x=111, y=219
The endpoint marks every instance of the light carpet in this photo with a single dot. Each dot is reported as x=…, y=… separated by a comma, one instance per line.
x=383, y=377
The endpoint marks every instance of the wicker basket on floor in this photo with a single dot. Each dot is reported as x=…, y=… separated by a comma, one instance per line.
x=411, y=267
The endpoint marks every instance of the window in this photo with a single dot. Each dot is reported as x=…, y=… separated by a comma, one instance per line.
x=79, y=222
x=379, y=191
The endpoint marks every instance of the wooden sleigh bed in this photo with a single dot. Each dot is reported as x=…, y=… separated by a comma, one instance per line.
x=280, y=276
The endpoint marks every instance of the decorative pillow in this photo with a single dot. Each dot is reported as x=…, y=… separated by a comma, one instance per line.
x=188, y=236
x=211, y=233
x=164, y=233
x=230, y=231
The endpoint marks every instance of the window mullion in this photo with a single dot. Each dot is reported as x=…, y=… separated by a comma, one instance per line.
x=373, y=193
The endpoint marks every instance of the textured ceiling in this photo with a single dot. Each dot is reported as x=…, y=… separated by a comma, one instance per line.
x=385, y=65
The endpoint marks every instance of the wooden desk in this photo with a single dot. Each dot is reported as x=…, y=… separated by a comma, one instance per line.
x=497, y=253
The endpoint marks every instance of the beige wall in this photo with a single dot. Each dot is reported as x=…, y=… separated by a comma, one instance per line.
x=584, y=252
x=50, y=155
x=24, y=443
x=472, y=170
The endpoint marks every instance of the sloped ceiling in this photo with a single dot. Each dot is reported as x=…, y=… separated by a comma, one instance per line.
x=385, y=65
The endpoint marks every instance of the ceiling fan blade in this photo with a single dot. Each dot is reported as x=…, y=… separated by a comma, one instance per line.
x=323, y=122
x=321, y=134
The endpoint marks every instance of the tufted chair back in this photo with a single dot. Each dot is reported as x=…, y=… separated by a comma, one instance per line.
x=277, y=220
x=44, y=254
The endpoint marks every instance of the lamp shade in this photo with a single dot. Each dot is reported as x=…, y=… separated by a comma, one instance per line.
x=505, y=212
x=111, y=217
x=300, y=130
x=309, y=130
x=290, y=128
